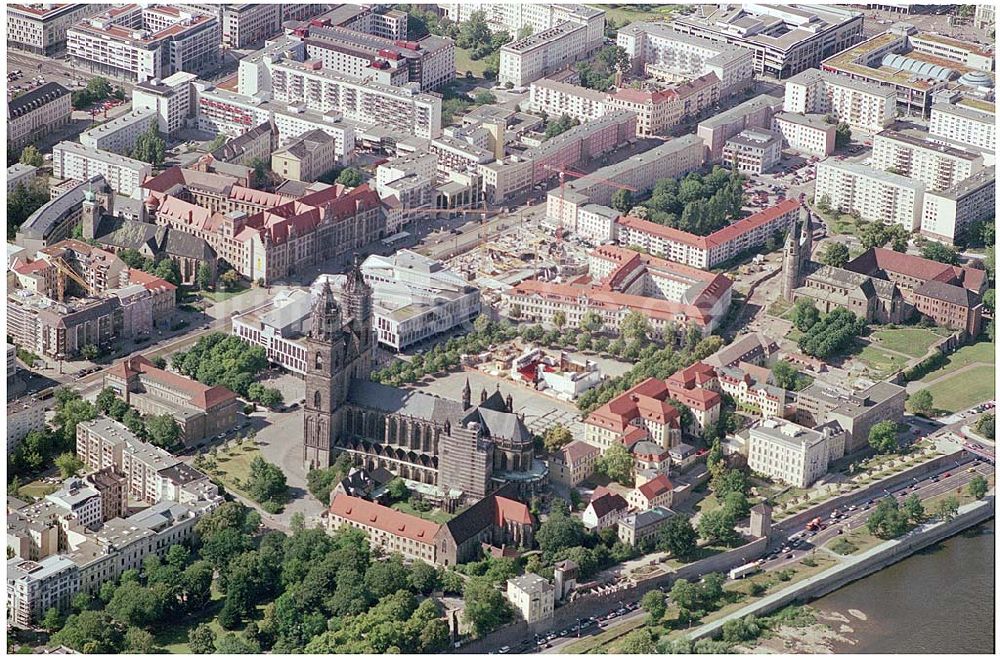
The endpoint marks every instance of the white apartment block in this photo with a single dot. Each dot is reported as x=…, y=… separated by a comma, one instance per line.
x=753, y=151
x=596, y=223
x=543, y=53
x=23, y=416
x=222, y=111
x=948, y=213
x=138, y=43
x=811, y=134
x=539, y=17
x=81, y=501
x=556, y=99
x=170, y=98
x=532, y=597
x=871, y=194
x=912, y=154
x=41, y=27
x=296, y=121
x=793, y=454
x=11, y=359
x=864, y=106
x=966, y=121
x=20, y=174
x=658, y=49
x=246, y=25
x=716, y=130
x=34, y=587
x=120, y=134
x=124, y=175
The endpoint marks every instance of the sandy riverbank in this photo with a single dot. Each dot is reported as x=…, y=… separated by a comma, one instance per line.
x=831, y=633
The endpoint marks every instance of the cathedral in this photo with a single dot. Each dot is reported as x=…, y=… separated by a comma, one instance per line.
x=872, y=299
x=462, y=450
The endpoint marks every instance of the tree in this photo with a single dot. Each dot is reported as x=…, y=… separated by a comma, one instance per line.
x=785, y=375
x=53, y=619
x=887, y=521
x=134, y=422
x=91, y=632
x=978, y=487
x=678, y=537
x=150, y=147
x=351, y=177
x=201, y=639
x=741, y=629
x=266, y=482
x=913, y=508
x=559, y=319
x=90, y=352
x=31, y=156
x=261, y=168
x=591, y=321
x=932, y=250
x=229, y=279
x=986, y=425
x=485, y=98
x=163, y=431
x=883, y=437
x=24, y=201
x=947, y=509
x=843, y=136
x=168, y=270
x=204, y=277
x=836, y=254
x=622, y=200
x=804, y=314
x=138, y=640
x=655, y=604
x=233, y=644
x=397, y=489
x=616, y=464
x=485, y=606
x=635, y=326
x=638, y=642
x=736, y=505
x=216, y=143
x=424, y=577
x=717, y=527
x=558, y=533
x=922, y=402
x=684, y=594
x=832, y=334
x=556, y=437
x=69, y=464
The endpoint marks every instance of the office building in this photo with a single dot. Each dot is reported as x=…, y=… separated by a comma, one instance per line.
x=642, y=413
x=752, y=151
x=662, y=52
x=20, y=174
x=34, y=587
x=170, y=98
x=871, y=194
x=388, y=529
x=864, y=106
x=120, y=134
x=784, y=39
x=137, y=43
x=37, y=113
x=855, y=412
x=984, y=16
x=75, y=161
x=307, y=158
x=40, y=28
x=532, y=597
x=793, y=454
x=755, y=113
x=949, y=213
x=811, y=134
x=543, y=53
x=573, y=463
x=634, y=529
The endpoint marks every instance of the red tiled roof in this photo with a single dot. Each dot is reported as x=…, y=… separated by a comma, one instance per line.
x=508, y=510
x=149, y=281
x=366, y=513
x=924, y=269
x=654, y=488
x=576, y=451
x=694, y=375
x=607, y=502
x=645, y=399
x=201, y=396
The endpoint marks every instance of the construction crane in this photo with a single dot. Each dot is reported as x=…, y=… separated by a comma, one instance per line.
x=62, y=271
x=563, y=171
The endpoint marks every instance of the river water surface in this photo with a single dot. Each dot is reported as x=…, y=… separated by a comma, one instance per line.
x=937, y=601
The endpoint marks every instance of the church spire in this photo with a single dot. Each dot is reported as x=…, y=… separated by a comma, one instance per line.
x=358, y=294
x=325, y=318
x=467, y=395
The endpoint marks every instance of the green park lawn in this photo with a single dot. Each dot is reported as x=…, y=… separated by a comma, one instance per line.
x=981, y=352
x=218, y=296
x=437, y=515
x=965, y=389
x=882, y=364
x=463, y=63
x=913, y=341
x=38, y=489
x=625, y=15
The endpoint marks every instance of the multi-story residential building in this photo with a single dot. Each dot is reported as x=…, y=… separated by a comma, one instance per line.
x=604, y=510
x=11, y=361
x=871, y=194
x=791, y=453
x=124, y=175
x=591, y=140
x=707, y=252
x=753, y=388
x=34, y=587
x=864, y=106
x=170, y=98
x=697, y=388
x=667, y=294
x=248, y=25
x=855, y=412
x=429, y=62
x=635, y=528
x=120, y=134
x=812, y=134
x=61, y=330
x=257, y=143
x=964, y=120
x=201, y=411
x=137, y=43
x=573, y=463
x=655, y=493
x=376, y=20
x=112, y=487
x=674, y=158
x=36, y=113
x=985, y=16
x=532, y=597
x=23, y=416
x=41, y=28
x=755, y=113
x=784, y=40
x=556, y=98
x=948, y=213
x=660, y=110
x=307, y=158
x=514, y=18
x=81, y=501
x=752, y=151
x=660, y=51
x=390, y=530
x=911, y=153
x=641, y=413
x=20, y=174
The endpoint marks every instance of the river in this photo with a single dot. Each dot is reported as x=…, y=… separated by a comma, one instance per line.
x=938, y=601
